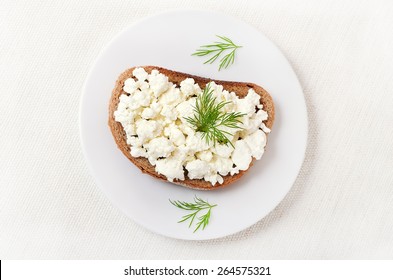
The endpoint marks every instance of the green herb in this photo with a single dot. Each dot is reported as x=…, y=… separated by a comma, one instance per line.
x=219, y=48
x=208, y=118
x=196, y=207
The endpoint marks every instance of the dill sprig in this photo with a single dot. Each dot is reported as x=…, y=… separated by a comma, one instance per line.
x=219, y=48
x=209, y=119
x=198, y=206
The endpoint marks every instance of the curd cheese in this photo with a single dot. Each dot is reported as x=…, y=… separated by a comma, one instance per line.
x=152, y=112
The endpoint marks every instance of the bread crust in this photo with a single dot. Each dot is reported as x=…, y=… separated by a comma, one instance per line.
x=240, y=88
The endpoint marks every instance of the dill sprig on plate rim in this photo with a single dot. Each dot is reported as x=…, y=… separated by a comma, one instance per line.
x=196, y=207
x=218, y=48
x=210, y=119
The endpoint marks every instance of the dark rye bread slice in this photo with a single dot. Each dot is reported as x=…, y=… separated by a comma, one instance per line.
x=241, y=89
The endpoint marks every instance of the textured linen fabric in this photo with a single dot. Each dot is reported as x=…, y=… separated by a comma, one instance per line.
x=340, y=205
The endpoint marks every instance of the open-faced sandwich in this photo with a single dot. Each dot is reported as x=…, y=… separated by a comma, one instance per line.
x=192, y=131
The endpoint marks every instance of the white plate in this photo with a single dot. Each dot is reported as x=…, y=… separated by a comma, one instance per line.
x=168, y=40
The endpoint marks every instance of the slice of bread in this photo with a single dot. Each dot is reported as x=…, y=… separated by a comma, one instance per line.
x=240, y=88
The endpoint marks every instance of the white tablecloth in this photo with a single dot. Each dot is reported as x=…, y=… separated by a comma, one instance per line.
x=341, y=205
